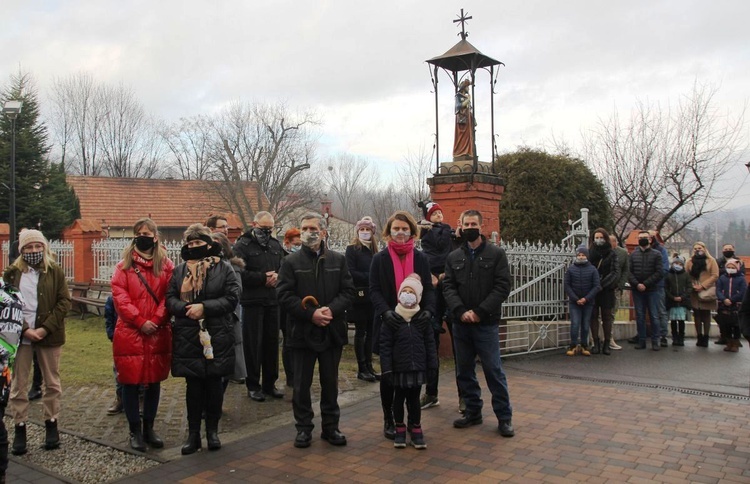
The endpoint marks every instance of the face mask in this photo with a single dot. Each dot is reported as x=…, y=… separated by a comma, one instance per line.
x=294, y=248
x=262, y=235
x=643, y=242
x=407, y=299
x=365, y=235
x=194, y=253
x=580, y=262
x=144, y=243
x=731, y=271
x=33, y=258
x=405, y=233
x=310, y=239
x=728, y=254
x=677, y=267
x=599, y=242
x=700, y=253
x=470, y=234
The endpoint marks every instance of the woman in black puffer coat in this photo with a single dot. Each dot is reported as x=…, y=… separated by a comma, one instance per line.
x=204, y=291
x=604, y=259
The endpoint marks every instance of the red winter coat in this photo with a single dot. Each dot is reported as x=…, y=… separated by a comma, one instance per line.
x=141, y=358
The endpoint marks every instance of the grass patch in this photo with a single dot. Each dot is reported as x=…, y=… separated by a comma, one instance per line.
x=87, y=355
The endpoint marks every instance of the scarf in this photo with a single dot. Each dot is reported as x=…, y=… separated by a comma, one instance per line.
x=405, y=312
x=195, y=277
x=699, y=265
x=144, y=257
x=402, y=256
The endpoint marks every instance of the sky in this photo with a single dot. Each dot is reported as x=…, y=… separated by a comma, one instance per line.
x=360, y=65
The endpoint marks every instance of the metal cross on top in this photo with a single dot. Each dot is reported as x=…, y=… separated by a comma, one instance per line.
x=462, y=18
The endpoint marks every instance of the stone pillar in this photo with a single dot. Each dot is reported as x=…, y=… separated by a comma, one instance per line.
x=459, y=191
x=4, y=237
x=83, y=233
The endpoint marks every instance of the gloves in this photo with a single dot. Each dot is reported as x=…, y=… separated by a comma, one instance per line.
x=392, y=320
x=422, y=320
x=387, y=378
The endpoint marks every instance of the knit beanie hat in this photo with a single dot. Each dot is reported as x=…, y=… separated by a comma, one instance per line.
x=366, y=223
x=415, y=283
x=733, y=262
x=30, y=235
x=428, y=208
x=582, y=249
x=678, y=259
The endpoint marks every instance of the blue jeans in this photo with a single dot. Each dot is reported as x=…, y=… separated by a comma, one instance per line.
x=663, y=320
x=580, y=321
x=647, y=301
x=470, y=341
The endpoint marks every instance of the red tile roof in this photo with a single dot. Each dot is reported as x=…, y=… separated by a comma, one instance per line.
x=118, y=202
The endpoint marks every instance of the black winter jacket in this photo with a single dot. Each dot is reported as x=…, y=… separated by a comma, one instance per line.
x=358, y=260
x=606, y=263
x=582, y=281
x=735, y=293
x=407, y=349
x=383, y=290
x=220, y=295
x=480, y=283
x=437, y=244
x=258, y=260
x=326, y=277
x=646, y=267
x=678, y=284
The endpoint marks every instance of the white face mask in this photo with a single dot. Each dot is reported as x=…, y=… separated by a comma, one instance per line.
x=400, y=235
x=365, y=235
x=731, y=271
x=407, y=299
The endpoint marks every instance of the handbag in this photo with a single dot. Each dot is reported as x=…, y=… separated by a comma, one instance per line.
x=707, y=295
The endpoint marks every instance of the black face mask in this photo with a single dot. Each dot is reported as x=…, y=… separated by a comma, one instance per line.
x=470, y=234
x=728, y=254
x=643, y=242
x=262, y=235
x=194, y=253
x=144, y=243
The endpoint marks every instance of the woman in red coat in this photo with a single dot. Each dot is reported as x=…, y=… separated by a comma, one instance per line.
x=142, y=345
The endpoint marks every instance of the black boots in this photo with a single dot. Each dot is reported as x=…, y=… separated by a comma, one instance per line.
x=19, y=440
x=359, y=351
x=192, y=444
x=212, y=434
x=52, y=436
x=597, y=348
x=389, y=428
x=605, y=347
x=702, y=341
x=150, y=437
x=136, y=437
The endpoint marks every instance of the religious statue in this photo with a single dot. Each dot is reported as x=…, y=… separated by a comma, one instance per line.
x=463, y=144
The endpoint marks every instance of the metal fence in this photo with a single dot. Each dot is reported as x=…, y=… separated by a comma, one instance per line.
x=108, y=252
x=63, y=252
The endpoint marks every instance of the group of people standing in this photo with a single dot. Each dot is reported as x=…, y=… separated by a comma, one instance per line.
x=215, y=317
x=663, y=289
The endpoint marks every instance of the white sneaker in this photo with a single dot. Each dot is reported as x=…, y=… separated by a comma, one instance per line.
x=613, y=345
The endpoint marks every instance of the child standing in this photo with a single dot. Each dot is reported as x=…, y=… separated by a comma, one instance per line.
x=581, y=286
x=407, y=356
x=437, y=242
x=730, y=289
x=677, y=290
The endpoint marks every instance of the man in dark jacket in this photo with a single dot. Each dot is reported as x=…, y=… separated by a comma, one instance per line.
x=316, y=289
x=477, y=281
x=646, y=270
x=260, y=309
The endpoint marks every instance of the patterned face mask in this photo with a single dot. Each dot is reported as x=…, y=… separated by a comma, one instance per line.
x=33, y=258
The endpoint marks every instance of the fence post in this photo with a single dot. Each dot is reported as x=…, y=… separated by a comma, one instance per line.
x=4, y=237
x=83, y=233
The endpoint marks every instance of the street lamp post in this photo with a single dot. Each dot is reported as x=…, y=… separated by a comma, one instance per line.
x=12, y=109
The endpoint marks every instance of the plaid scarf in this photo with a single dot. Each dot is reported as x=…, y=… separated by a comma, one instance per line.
x=195, y=277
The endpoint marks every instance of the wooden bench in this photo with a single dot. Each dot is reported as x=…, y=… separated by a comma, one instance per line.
x=89, y=298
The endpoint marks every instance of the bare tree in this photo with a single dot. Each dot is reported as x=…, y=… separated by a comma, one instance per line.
x=77, y=113
x=413, y=173
x=663, y=168
x=351, y=179
x=189, y=143
x=384, y=202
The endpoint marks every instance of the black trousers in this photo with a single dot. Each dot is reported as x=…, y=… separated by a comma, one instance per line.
x=130, y=401
x=204, y=394
x=328, y=372
x=286, y=351
x=260, y=341
x=411, y=397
